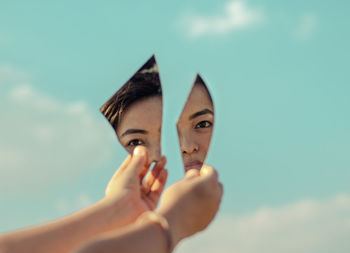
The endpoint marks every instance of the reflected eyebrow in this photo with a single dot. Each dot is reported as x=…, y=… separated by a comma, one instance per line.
x=202, y=112
x=134, y=131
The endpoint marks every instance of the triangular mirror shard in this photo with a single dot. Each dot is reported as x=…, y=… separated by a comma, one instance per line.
x=195, y=126
x=135, y=110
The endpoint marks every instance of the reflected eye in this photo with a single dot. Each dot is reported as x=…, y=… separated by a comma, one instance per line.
x=203, y=124
x=135, y=142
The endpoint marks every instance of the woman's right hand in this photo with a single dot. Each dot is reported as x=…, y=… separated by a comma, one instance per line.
x=191, y=204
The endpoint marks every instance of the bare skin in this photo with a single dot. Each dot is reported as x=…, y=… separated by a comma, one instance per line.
x=195, y=128
x=127, y=196
x=189, y=206
x=141, y=126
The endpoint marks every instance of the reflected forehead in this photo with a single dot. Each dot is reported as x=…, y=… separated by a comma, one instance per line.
x=198, y=100
x=145, y=114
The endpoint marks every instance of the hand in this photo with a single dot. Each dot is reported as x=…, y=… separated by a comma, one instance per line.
x=190, y=204
x=140, y=193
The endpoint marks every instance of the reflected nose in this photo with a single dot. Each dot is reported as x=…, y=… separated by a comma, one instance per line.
x=188, y=146
x=155, y=154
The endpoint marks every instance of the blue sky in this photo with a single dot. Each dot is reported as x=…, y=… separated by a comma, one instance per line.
x=279, y=75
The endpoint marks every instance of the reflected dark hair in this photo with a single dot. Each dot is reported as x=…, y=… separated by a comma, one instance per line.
x=200, y=81
x=145, y=83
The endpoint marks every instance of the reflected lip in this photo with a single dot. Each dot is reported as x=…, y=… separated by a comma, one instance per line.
x=193, y=165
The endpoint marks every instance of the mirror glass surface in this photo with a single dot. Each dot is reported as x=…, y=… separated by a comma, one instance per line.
x=195, y=125
x=135, y=111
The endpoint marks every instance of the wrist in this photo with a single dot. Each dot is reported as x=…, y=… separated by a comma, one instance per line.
x=121, y=210
x=175, y=228
x=161, y=222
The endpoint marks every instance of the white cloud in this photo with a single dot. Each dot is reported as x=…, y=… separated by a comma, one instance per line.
x=10, y=76
x=236, y=15
x=44, y=140
x=307, y=226
x=306, y=27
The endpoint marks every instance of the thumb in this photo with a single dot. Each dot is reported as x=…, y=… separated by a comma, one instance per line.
x=138, y=162
x=192, y=173
x=208, y=172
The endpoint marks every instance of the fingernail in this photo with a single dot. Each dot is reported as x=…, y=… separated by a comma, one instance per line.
x=162, y=159
x=205, y=170
x=138, y=151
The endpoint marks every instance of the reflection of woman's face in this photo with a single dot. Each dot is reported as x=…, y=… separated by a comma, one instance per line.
x=195, y=128
x=141, y=125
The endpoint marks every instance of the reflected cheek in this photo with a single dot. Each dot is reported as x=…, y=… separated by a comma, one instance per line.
x=155, y=155
x=185, y=136
x=204, y=141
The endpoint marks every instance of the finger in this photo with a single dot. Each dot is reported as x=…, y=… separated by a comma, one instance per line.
x=143, y=173
x=116, y=174
x=154, y=174
x=159, y=166
x=137, y=164
x=220, y=189
x=160, y=181
x=125, y=163
x=192, y=174
x=146, y=165
x=121, y=167
x=157, y=189
x=208, y=172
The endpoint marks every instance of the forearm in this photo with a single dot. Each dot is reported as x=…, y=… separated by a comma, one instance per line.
x=64, y=234
x=148, y=237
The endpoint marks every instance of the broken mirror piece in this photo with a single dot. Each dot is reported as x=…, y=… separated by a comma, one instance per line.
x=195, y=125
x=135, y=111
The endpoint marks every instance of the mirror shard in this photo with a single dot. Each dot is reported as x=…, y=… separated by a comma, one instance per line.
x=135, y=110
x=195, y=125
